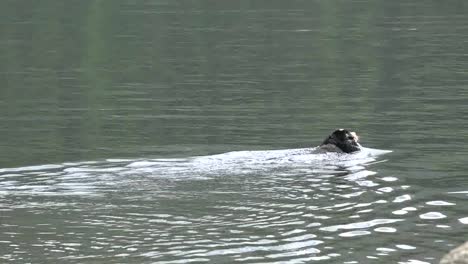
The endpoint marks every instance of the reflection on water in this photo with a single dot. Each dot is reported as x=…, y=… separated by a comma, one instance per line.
x=248, y=206
x=172, y=82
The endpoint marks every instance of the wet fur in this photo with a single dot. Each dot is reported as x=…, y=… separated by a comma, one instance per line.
x=341, y=140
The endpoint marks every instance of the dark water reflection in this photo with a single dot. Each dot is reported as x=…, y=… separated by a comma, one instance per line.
x=168, y=80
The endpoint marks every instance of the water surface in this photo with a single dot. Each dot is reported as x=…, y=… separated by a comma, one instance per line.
x=128, y=128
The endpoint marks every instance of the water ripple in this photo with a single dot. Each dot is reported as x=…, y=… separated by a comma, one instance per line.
x=432, y=215
x=275, y=206
x=360, y=225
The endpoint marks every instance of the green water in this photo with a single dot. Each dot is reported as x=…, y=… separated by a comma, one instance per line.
x=97, y=80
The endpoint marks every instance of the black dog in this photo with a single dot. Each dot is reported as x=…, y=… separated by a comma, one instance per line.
x=341, y=140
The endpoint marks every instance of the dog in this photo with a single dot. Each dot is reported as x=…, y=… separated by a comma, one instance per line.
x=342, y=141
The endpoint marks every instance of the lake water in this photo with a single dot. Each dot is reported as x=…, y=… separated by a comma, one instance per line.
x=181, y=131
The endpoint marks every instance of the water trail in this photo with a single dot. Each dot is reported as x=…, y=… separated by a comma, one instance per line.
x=242, y=206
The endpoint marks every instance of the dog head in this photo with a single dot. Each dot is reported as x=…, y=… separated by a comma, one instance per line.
x=345, y=140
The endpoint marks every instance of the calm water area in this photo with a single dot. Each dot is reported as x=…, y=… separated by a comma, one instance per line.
x=181, y=131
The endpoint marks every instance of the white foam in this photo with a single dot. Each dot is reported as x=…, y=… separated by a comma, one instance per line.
x=32, y=168
x=289, y=157
x=89, y=177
